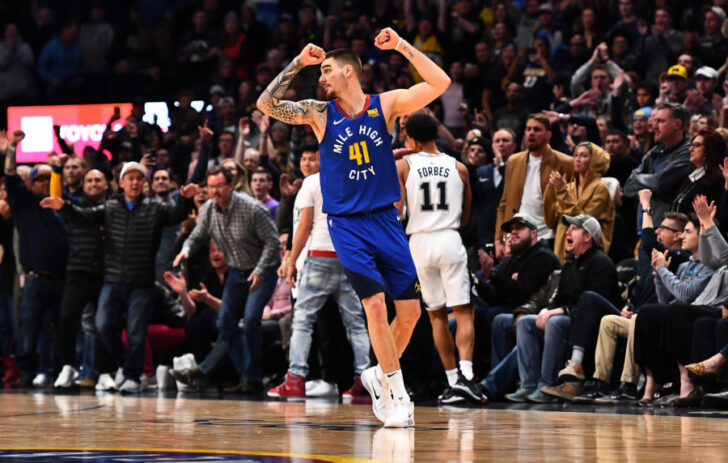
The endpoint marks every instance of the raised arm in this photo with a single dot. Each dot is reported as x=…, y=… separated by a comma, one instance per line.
x=310, y=112
x=403, y=101
x=10, y=161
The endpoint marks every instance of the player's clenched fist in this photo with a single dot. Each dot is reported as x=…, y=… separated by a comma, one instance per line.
x=312, y=55
x=387, y=39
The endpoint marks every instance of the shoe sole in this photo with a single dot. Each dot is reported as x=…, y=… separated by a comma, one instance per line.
x=560, y=396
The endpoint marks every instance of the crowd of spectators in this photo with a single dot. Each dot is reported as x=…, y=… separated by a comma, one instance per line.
x=594, y=132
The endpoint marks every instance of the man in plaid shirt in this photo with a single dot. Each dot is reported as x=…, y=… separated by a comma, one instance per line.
x=244, y=230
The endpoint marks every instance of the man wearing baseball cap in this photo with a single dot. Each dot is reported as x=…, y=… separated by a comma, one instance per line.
x=706, y=80
x=587, y=271
x=43, y=243
x=133, y=225
x=677, y=83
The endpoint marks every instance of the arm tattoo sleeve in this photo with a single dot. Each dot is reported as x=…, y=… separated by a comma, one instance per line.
x=10, y=161
x=288, y=111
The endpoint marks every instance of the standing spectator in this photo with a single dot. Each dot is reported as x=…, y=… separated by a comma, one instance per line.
x=453, y=101
x=666, y=165
x=586, y=194
x=195, y=55
x=161, y=189
x=60, y=62
x=245, y=232
x=702, y=99
x=677, y=84
x=96, y=38
x=658, y=47
x=514, y=114
x=628, y=21
x=43, y=246
x=17, y=79
x=527, y=23
x=83, y=278
x=488, y=188
x=74, y=171
x=600, y=70
x=261, y=184
x=712, y=47
x=132, y=228
x=527, y=176
x=537, y=75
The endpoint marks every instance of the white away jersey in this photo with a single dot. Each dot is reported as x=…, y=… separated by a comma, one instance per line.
x=434, y=193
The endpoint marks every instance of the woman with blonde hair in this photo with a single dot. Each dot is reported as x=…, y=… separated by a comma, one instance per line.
x=240, y=175
x=585, y=194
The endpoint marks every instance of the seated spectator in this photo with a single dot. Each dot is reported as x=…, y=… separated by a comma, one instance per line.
x=663, y=334
x=587, y=270
x=681, y=287
x=513, y=115
x=586, y=194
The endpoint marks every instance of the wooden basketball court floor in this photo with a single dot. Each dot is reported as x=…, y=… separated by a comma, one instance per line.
x=114, y=428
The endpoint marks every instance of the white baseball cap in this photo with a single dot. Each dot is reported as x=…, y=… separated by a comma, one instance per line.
x=129, y=166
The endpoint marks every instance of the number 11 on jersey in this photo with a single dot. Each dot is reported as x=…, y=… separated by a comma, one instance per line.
x=356, y=154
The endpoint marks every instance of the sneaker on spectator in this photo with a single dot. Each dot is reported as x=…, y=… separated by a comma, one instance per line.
x=593, y=390
x=356, y=391
x=378, y=389
x=717, y=400
x=539, y=397
x=450, y=397
x=148, y=382
x=520, y=395
x=105, y=383
x=129, y=386
x=42, y=380
x=567, y=390
x=469, y=390
x=321, y=389
x=293, y=386
x=572, y=372
x=86, y=382
x=626, y=393
x=11, y=371
x=67, y=377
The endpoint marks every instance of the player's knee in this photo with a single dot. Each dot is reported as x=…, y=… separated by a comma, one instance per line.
x=409, y=314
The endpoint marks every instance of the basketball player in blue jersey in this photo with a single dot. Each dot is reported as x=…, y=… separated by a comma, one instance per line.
x=359, y=184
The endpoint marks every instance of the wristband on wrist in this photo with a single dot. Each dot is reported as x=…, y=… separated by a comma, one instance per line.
x=399, y=42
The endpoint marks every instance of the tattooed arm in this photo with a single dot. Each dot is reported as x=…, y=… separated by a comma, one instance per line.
x=404, y=101
x=10, y=161
x=310, y=112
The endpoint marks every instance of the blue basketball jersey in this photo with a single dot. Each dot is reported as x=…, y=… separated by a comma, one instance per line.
x=358, y=172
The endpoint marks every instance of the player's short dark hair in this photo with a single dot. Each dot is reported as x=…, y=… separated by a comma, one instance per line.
x=221, y=170
x=345, y=56
x=421, y=127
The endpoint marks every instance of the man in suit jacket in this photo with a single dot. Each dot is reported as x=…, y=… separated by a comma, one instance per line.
x=522, y=193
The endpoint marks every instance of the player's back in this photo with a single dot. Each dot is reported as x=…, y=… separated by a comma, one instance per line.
x=358, y=172
x=434, y=193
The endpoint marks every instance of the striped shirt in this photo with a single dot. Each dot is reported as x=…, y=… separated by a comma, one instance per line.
x=244, y=231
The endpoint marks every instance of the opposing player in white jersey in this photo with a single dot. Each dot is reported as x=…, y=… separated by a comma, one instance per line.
x=436, y=189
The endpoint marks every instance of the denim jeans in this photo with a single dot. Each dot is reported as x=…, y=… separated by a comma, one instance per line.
x=40, y=305
x=137, y=301
x=539, y=369
x=245, y=347
x=502, y=377
x=322, y=277
x=7, y=322
x=502, y=338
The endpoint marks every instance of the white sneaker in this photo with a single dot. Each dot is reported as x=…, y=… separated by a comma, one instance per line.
x=42, y=380
x=105, y=383
x=311, y=385
x=119, y=378
x=129, y=386
x=322, y=389
x=67, y=377
x=400, y=414
x=379, y=390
